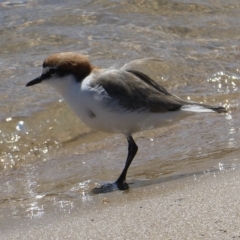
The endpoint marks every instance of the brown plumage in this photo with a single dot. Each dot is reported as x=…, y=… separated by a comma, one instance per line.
x=69, y=63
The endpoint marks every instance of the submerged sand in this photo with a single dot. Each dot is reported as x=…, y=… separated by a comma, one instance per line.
x=198, y=207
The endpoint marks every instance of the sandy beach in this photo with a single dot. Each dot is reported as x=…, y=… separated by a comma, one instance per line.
x=196, y=207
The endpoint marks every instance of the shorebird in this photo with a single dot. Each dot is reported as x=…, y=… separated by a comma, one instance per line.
x=121, y=100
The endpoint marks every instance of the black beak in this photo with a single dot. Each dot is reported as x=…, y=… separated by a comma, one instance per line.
x=38, y=80
x=34, y=81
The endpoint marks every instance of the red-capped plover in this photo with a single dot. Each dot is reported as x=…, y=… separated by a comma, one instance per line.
x=121, y=100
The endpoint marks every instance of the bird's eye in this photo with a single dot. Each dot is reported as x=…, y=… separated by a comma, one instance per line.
x=52, y=71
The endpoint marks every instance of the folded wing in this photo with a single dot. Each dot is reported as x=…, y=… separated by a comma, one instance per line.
x=134, y=90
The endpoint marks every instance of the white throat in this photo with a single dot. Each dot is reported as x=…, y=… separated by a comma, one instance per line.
x=72, y=93
x=64, y=85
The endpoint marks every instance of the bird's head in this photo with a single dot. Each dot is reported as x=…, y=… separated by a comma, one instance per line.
x=57, y=68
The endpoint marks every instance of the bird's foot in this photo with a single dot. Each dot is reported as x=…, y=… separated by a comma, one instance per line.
x=121, y=185
x=111, y=187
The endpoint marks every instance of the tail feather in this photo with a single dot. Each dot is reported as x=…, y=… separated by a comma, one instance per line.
x=195, y=107
x=218, y=109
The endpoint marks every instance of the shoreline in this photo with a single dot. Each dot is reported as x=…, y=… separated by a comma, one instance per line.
x=197, y=207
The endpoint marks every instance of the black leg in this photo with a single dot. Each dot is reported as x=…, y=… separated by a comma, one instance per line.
x=132, y=150
x=120, y=184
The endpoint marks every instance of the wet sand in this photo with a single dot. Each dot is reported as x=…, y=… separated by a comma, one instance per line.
x=197, y=207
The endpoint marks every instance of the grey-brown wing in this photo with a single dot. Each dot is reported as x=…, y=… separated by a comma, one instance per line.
x=134, y=90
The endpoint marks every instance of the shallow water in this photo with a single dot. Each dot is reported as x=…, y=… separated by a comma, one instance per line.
x=49, y=158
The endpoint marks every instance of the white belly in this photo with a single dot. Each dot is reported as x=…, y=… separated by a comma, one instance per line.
x=113, y=120
x=131, y=122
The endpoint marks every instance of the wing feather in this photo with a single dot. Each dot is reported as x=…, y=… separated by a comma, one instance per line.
x=133, y=90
